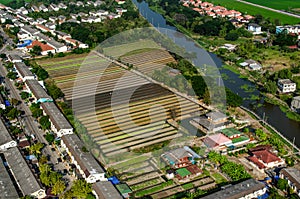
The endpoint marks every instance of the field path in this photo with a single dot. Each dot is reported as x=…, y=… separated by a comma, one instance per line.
x=271, y=9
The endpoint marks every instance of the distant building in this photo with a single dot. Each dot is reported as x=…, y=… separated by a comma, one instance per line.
x=23, y=71
x=251, y=65
x=289, y=29
x=286, y=86
x=295, y=105
x=254, y=28
x=247, y=189
x=292, y=175
x=6, y=140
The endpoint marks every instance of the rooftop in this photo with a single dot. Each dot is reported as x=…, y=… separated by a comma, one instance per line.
x=55, y=44
x=44, y=47
x=293, y=175
x=266, y=156
x=285, y=81
x=37, y=89
x=23, y=69
x=56, y=117
x=22, y=173
x=106, y=190
x=30, y=30
x=7, y=188
x=183, y=172
x=238, y=190
x=85, y=159
x=4, y=134
x=216, y=116
x=230, y=132
x=216, y=140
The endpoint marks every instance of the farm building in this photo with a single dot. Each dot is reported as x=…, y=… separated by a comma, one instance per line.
x=292, y=175
x=23, y=175
x=59, y=124
x=37, y=91
x=247, y=189
x=180, y=157
x=23, y=71
x=6, y=140
x=105, y=190
x=88, y=167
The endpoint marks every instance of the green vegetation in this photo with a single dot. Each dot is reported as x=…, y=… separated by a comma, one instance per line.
x=154, y=189
x=253, y=10
x=218, y=178
x=45, y=122
x=187, y=186
x=278, y=4
x=144, y=184
x=53, y=90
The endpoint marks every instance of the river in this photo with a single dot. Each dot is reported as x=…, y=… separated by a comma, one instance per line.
x=274, y=116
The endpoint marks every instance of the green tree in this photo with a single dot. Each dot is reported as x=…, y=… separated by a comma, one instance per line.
x=50, y=138
x=271, y=87
x=13, y=113
x=58, y=187
x=36, y=50
x=12, y=75
x=282, y=184
x=232, y=36
x=36, y=148
x=261, y=134
x=24, y=95
x=45, y=123
x=81, y=189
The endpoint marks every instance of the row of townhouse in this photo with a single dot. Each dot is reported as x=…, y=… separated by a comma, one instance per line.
x=85, y=163
x=14, y=161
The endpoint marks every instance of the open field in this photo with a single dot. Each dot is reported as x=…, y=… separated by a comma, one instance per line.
x=120, y=110
x=253, y=10
x=278, y=4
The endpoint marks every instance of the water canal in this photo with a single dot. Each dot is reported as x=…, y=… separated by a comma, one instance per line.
x=274, y=116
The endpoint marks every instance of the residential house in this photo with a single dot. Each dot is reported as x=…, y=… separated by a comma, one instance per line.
x=251, y=65
x=120, y=11
x=37, y=91
x=62, y=35
x=79, y=3
x=211, y=122
x=191, y=171
x=61, y=19
x=295, y=105
x=22, y=10
x=43, y=28
x=120, y=2
x=250, y=188
x=50, y=25
x=62, y=6
x=113, y=16
x=34, y=8
x=23, y=71
x=54, y=7
x=41, y=20
x=254, y=28
x=84, y=161
x=229, y=47
x=6, y=140
x=31, y=32
x=52, y=19
x=43, y=8
x=295, y=29
x=19, y=24
x=59, y=47
x=22, y=174
x=263, y=158
x=105, y=190
x=45, y=47
x=59, y=124
x=98, y=3
x=180, y=157
x=238, y=138
x=217, y=142
x=292, y=175
x=7, y=188
x=2, y=102
x=286, y=86
x=76, y=43
x=14, y=58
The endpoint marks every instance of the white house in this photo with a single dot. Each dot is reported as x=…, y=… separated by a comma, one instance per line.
x=295, y=105
x=6, y=141
x=54, y=7
x=254, y=28
x=286, y=86
x=292, y=175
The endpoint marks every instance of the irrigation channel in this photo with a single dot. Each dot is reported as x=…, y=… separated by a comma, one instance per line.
x=246, y=89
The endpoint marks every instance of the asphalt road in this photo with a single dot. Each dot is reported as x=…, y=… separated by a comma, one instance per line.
x=267, y=8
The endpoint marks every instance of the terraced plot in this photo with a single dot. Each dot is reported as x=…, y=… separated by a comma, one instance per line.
x=147, y=62
x=120, y=110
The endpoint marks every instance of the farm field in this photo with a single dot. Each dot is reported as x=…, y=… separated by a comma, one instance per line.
x=278, y=4
x=120, y=110
x=253, y=10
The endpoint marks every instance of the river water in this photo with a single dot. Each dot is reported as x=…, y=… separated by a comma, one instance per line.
x=289, y=128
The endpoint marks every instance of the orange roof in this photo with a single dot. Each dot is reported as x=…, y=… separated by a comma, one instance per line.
x=42, y=27
x=45, y=47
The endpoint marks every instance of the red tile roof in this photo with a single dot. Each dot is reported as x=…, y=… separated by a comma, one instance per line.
x=194, y=169
x=257, y=162
x=45, y=47
x=266, y=156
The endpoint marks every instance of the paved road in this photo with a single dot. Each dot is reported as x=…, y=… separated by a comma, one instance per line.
x=267, y=8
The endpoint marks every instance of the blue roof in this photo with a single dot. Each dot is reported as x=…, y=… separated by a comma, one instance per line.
x=25, y=43
x=7, y=103
x=114, y=180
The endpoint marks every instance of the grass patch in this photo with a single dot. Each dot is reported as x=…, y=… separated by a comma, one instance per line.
x=187, y=186
x=154, y=189
x=138, y=51
x=231, y=68
x=218, y=178
x=145, y=184
x=290, y=114
x=131, y=162
x=253, y=10
x=278, y=4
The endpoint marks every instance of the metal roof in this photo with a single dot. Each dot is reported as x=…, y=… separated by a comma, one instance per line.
x=37, y=90
x=4, y=134
x=7, y=188
x=106, y=190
